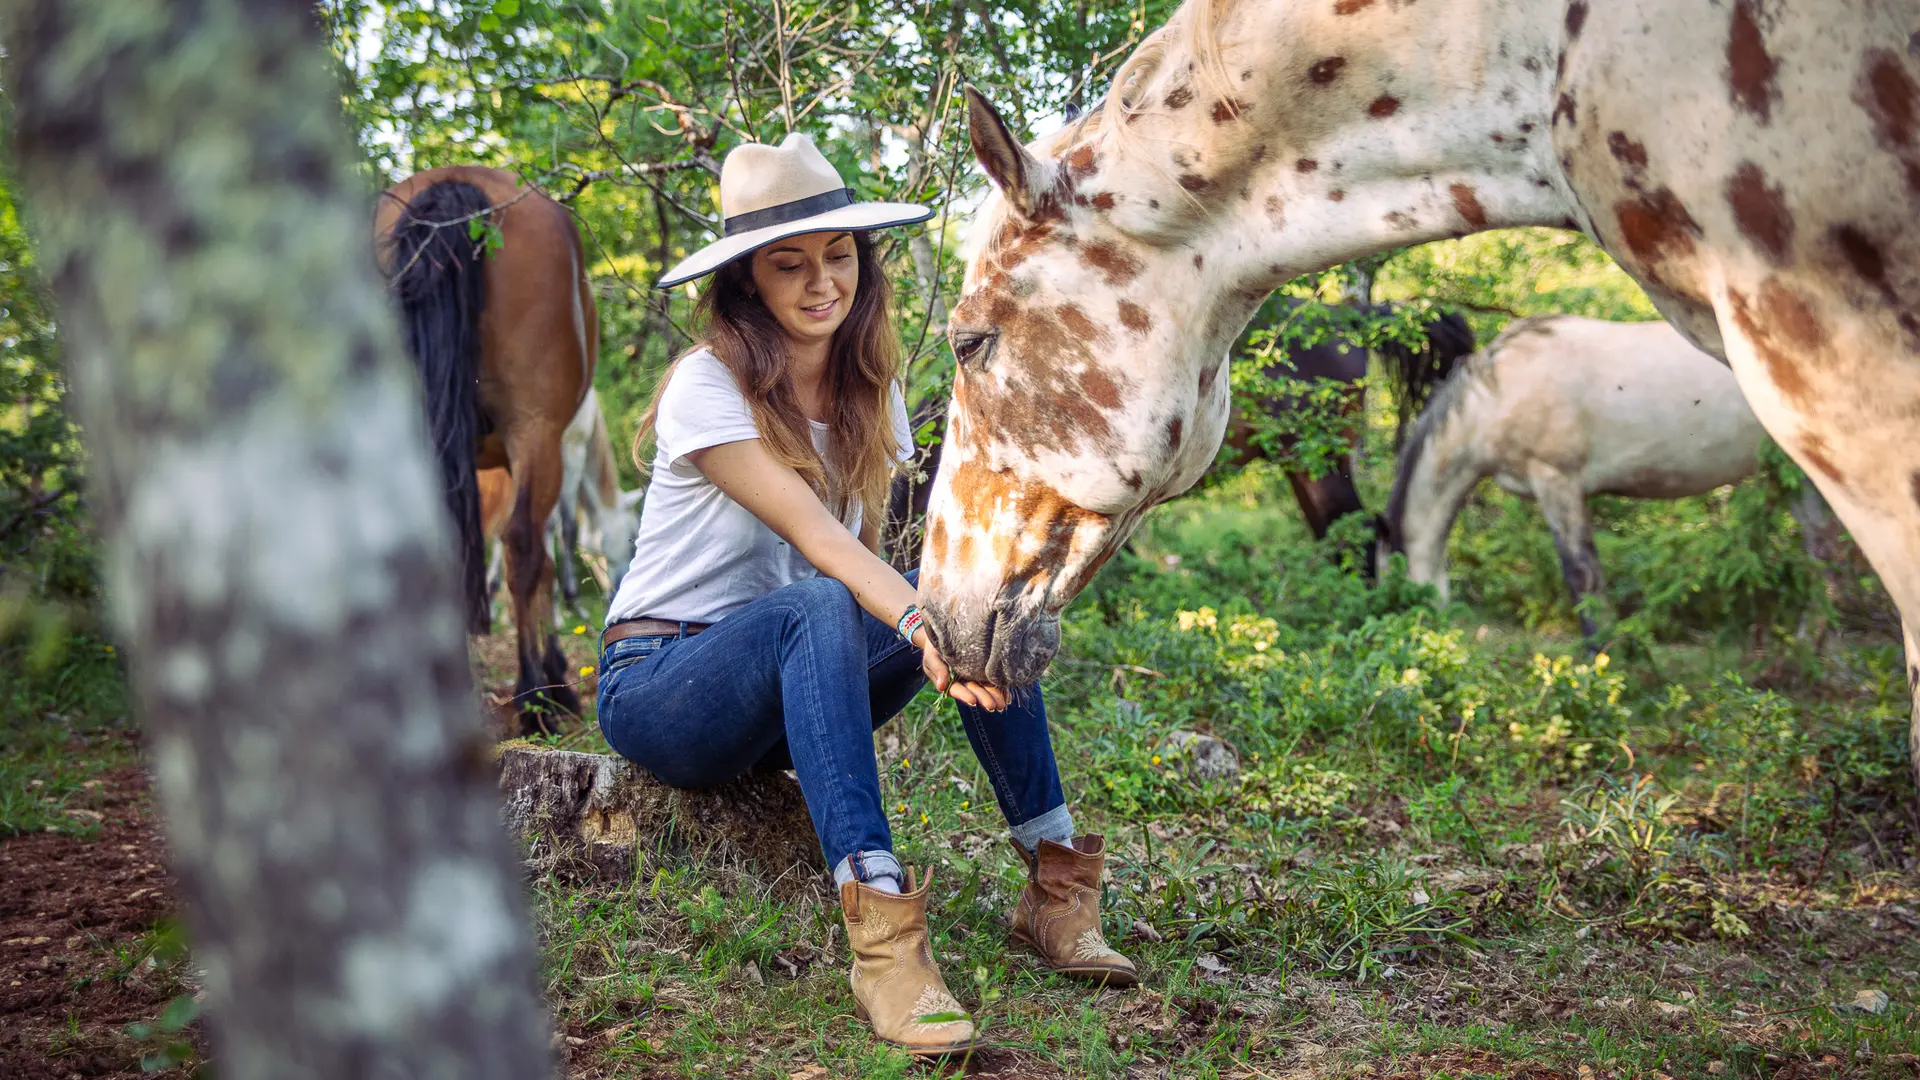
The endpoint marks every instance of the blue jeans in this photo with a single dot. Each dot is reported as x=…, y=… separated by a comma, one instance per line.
x=801, y=678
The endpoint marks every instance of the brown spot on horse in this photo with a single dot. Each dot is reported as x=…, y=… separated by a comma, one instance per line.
x=1276, y=211
x=1383, y=106
x=1326, y=69
x=1194, y=182
x=1864, y=256
x=1467, y=203
x=1627, y=152
x=1565, y=107
x=1180, y=97
x=1116, y=266
x=1576, y=18
x=1814, y=449
x=1349, y=7
x=1750, y=71
x=1135, y=318
x=1104, y=200
x=1079, y=325
x=1761, y=211
x=1783, y=331
x=937, y=539
x=1305, y=165
x=1892, y=99
x=1336, y=195
x=1174, y=427
x=1656, y=226
x=1100, y=388
x=1229, y=109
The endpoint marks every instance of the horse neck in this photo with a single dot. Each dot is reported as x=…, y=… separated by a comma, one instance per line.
x=602, y=480
x=1438, y=470
x=1296, y=136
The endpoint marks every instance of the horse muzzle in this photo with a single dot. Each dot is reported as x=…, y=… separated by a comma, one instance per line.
x=995, y=645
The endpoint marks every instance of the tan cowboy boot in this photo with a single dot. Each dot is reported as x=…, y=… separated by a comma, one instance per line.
x=1059, y=913
x=895, y=981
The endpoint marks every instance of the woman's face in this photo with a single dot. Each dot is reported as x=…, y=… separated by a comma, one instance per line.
x=808, y=282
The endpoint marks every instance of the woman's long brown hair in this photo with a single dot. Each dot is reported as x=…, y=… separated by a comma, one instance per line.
x=863, y=360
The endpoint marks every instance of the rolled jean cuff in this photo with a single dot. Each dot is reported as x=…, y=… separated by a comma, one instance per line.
x=1056, y=824
x=867, y=865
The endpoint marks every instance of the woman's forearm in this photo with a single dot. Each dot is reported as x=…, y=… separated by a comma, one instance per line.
x=837, y=553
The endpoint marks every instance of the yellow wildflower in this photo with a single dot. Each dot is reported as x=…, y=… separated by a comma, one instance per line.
x=1156, y=759
x=923, y=819
x=585, y=671
x=965, y=805
x=581, y=629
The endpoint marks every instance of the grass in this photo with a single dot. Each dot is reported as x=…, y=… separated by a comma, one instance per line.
x=1456, y=848
x=65, y=727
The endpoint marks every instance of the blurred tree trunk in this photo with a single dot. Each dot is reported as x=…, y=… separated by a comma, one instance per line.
x=275, y=554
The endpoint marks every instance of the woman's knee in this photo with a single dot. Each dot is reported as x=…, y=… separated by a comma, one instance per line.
x=821, y=600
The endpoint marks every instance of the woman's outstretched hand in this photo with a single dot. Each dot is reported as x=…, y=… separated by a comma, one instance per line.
x=979, y=695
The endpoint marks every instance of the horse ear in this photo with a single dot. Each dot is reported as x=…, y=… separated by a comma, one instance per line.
x=1020, y=176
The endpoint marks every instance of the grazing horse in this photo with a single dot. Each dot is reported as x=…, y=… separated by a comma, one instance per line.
x=1755, y=166
x=589, y=488
x=500, y=319
x=1559, y=409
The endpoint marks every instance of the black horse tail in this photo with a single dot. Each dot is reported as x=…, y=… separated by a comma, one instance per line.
x=1416, y=374
x=438, y=280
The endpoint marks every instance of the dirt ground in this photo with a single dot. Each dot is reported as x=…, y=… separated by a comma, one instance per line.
x=80, y=959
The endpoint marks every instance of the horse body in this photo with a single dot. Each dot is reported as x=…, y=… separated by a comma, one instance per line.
x=1754, y=165
x=589, y=490
x=1561, y=408
x=514, y=379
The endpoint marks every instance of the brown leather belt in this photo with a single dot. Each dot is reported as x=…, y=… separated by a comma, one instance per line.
x=627, y=628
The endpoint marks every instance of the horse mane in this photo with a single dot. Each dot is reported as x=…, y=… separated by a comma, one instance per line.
x=1415, y=374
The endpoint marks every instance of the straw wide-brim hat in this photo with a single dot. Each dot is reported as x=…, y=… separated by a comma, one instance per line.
x=768, y=193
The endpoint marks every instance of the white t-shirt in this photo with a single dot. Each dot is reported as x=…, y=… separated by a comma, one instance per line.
x=699, y=554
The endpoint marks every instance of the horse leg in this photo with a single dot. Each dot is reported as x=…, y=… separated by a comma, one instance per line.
x=566, y=534
x=496, y=575
x=1565, y=505
x=544, y=688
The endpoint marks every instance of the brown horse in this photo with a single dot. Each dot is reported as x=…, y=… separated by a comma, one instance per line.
x=499, y=316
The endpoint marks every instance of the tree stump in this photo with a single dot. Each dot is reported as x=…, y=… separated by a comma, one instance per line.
x=600, y=817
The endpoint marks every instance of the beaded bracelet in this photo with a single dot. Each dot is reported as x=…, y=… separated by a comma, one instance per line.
x=910, y=621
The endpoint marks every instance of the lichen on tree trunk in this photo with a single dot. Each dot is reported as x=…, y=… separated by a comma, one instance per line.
x=276, y=556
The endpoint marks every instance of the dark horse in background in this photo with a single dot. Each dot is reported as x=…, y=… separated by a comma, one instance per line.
x=500, y=319
x=1324, y=499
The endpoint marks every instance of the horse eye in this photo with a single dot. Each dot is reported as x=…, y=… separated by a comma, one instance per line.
x=973, y=349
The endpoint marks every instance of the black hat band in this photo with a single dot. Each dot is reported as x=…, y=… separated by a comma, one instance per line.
x=789, y=211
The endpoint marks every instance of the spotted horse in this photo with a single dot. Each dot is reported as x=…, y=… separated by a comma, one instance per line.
x=1755, y=164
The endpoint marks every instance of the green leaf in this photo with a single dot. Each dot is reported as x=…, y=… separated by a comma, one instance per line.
x=179, y=1013
x=506, y=9
x=490, y=22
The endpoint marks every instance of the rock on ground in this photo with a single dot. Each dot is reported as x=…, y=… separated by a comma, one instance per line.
x=1202, y=758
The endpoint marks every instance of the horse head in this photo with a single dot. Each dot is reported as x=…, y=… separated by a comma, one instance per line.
x=1090, y=385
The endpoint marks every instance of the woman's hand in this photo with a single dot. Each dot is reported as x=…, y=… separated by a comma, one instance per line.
x=979, y=695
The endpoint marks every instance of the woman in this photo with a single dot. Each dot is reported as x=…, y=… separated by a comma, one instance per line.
x=758, y=626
